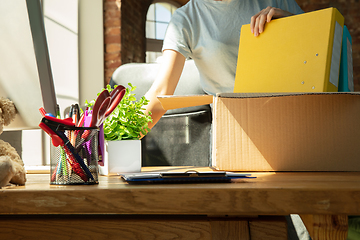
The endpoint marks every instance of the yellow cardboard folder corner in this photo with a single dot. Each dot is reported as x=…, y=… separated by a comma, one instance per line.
x=283, y=130
x=300, y=53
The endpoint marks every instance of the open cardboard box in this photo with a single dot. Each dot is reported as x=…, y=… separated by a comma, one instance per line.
x=288, y=131
x=281, y=131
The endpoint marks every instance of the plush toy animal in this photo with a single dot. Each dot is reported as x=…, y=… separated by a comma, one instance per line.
x=11, y=166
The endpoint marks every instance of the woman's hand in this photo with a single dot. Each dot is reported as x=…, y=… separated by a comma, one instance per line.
x=165, y=83
x=258, y=21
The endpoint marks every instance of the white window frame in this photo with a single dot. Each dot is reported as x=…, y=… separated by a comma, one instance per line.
x=155, y=45
x=36, y=143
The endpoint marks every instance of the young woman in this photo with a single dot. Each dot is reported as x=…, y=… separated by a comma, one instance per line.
x=208, y=31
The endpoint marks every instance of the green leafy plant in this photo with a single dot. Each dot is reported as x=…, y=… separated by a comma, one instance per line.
x=128, y=121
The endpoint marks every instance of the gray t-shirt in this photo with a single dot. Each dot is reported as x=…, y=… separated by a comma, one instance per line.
x=208, y=31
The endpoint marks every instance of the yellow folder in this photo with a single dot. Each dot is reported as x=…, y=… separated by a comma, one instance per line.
x=300, y=53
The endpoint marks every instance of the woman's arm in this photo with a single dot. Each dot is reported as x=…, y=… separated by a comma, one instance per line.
x=165, y=83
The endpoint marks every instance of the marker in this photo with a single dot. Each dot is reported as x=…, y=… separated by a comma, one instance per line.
x=58, y=115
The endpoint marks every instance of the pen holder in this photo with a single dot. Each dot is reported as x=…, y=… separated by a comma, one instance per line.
x=75, y=162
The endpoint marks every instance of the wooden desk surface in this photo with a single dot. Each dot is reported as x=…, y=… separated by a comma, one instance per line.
x=336, y=193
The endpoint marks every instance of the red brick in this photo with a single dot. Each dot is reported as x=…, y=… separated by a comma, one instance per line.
x=112, y=31
x=112, y=48
x=112, y=14
x=112, y=39
x=112, y=56
x=112, y=22
x=113, y=64
x=112, y=5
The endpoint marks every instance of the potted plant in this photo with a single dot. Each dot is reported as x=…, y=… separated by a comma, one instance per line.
x=122, y=131
x=128, y=120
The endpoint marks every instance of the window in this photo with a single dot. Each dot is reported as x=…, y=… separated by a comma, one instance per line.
x=157, y=19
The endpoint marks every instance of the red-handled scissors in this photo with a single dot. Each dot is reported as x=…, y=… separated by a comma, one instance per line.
x=105, y=105
x=116, y=95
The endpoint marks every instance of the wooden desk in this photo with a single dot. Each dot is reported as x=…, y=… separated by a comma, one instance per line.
x=116, y=210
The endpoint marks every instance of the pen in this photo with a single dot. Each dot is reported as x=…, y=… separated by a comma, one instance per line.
x=42, y=111
x=58, y=115
x=77, y=111
x=81, y=120
x=75, y=116
x=69, y=133
x=71, y=110
x=75, y=121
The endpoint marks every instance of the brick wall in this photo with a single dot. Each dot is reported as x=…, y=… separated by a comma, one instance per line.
x=112, y=34
x=124, y=33
x=124, y=30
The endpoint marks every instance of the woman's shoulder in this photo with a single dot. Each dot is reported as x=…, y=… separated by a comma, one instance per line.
x=192, y=10
x=188, y=12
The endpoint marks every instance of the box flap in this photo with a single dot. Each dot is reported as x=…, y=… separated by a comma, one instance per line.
x=169, y=102
x=172, y=101
x=280, y=94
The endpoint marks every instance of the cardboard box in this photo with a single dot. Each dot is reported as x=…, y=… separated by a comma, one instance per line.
x=300, y=53
x=285, y=131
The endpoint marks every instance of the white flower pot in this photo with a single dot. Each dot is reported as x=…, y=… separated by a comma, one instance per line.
x=122, y=156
